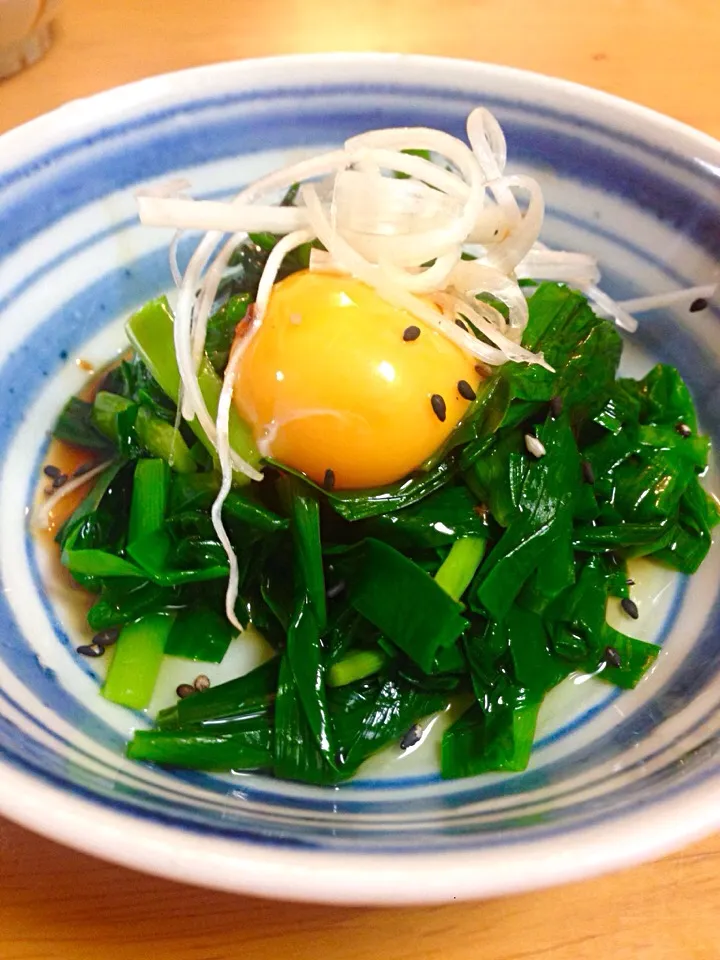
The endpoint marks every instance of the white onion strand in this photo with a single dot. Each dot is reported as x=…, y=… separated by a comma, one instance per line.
x=223, y=449
x=662, y=300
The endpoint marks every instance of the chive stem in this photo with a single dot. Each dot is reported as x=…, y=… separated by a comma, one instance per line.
x=460, y=565
x=149, y=498
x=248, y=749
x=163, y=440
x=150, y=331
x=104, y=413
x=136, y=661
x=356, y=666
x=158, y=438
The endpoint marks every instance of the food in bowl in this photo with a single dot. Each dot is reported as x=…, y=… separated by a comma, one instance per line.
x=382, y=426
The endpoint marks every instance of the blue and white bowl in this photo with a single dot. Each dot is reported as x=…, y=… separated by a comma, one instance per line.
x=615, y=777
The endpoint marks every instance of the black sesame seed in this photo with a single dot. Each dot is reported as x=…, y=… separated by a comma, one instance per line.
x=611, y=657
x=459, y=323
x=335, y=590
x=91, y=650
x=411, y=333
x=413, y=736
x=630, y=607
x=329, y=479
x=82, y=469
x=201, y=683
x=60, y=480
x=697, y=305
x=630, y=582
x=106, y=638
x=52, y=471
x=439, y=408
x=556, y=406
x=185, y=690
x=465, y=390
x=683, y=429
x=587, y=472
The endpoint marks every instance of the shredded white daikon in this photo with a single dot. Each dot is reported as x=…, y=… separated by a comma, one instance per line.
x=282, y=248
x=223, y=449
x=670, y=299
x=540, y=263
x=607, y=306
x=213, y=215
x=405, y=237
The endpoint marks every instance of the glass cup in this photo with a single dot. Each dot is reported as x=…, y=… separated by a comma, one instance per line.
x=25, y=32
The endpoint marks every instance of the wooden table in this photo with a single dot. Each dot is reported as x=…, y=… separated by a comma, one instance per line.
x=59, y=905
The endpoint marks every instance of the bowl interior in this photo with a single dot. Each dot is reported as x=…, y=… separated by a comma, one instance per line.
x=636, y=191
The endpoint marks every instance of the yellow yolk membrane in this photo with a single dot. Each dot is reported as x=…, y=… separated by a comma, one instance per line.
x=332, y=381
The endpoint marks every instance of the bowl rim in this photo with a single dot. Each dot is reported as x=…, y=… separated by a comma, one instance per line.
x=95, y=827
x=32, y=134
x=310, y=876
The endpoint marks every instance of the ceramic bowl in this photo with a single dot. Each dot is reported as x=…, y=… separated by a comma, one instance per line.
x=615, y=777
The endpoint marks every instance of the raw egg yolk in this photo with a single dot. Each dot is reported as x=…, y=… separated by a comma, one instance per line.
x=334, y=381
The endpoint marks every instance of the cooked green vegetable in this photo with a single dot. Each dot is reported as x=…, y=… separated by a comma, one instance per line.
x=304, y=511
x=387, y=715
x=356, y=666
x=478, y=583
x=75, y=425
x=438, y=520
x=162, y=440
x=459, y=567
x=495, y=734
x=221, y=329
x=150, y=332
x=97, y=563
x=136, y=661
x=540, y=520
x=200, y=632
x=297, y=754
x=148, y=506
x=248, y=747
x=401, y=600
x=250, y=694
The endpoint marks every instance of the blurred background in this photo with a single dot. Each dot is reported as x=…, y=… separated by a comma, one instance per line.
x=662, y=53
